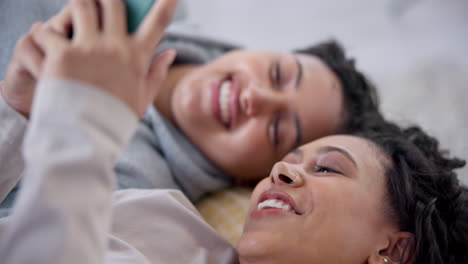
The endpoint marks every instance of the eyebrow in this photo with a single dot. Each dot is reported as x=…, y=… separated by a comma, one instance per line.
x=340, y=150
x=297, y=126
x=300, y=70
x=297, y=122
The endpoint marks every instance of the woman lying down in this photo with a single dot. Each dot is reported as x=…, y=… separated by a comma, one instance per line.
x=377, y=197
x=387, y=196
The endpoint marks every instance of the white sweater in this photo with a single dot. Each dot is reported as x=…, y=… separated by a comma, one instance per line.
x=67, y=210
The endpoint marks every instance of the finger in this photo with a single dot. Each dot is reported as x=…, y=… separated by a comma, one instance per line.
x=152, y=28
x=114, y=17
x=49, y=41
x=30, y=56
x=158, y=69
x=85, y=20
x=62, y=22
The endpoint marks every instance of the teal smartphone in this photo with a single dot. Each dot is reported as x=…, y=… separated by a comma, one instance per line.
x=136, y=12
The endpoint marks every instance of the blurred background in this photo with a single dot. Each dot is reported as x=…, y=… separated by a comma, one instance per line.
x=415, y=51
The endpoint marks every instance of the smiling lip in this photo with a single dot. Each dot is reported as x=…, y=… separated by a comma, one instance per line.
x=215, y=87
x=233, y=101
x=278, y=195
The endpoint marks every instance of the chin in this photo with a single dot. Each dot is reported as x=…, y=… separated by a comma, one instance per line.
x=255, y=245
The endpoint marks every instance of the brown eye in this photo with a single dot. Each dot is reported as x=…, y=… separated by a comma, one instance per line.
x=275, y=130
x=276, y=75
x=323, y=169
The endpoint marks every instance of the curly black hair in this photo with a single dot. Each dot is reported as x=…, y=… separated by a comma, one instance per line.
x=361, y=101
x=424, y=194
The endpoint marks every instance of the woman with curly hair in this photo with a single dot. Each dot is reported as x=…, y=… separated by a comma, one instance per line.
x=386, y=195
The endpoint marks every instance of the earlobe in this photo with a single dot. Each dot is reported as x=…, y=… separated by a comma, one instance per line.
x=398, y=250
x=379, y=255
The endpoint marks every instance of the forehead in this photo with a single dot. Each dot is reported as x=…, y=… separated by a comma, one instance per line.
x=320, y=98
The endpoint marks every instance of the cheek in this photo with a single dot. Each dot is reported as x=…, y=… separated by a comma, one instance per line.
x=247, y=141
x=251, y=67
x=187, y=100
x=251, y=142
x=339, y=219
x=341, y=199
x=349, y=214
x=242, y=153
x=260, y=188
x=336, y=206
x=252, y=135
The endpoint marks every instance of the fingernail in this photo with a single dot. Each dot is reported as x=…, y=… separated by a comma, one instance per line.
x=170, y=56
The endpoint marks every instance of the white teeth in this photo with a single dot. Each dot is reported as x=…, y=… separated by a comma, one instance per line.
x=224, y=92
x=274, y=204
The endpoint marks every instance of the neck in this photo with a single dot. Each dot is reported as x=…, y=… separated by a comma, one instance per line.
x=163, y=100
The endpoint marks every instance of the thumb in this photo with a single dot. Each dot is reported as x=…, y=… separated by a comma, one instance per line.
x=62, y=22
x=158, y=69
x=160, y=64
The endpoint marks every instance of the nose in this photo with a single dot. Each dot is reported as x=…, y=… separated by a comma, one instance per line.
x=286, y=174
x=256, y=100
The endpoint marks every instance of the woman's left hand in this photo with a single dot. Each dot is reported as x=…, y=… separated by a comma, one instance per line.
x=103, y=54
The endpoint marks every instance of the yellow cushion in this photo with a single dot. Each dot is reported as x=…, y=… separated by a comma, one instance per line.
x=225, y=211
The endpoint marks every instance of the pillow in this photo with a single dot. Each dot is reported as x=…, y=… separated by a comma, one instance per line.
x=225, y=211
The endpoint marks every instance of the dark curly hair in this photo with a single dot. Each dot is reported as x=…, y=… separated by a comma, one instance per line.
x=361, y=102
x=424, y=194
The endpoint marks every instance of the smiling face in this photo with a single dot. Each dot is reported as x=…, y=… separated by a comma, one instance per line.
x=324, y=203
x=247, y=109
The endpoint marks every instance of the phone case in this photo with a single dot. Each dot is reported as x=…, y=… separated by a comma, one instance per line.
x=136, y=12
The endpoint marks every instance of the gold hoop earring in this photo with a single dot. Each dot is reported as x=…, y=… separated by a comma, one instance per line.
x=386, y=260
